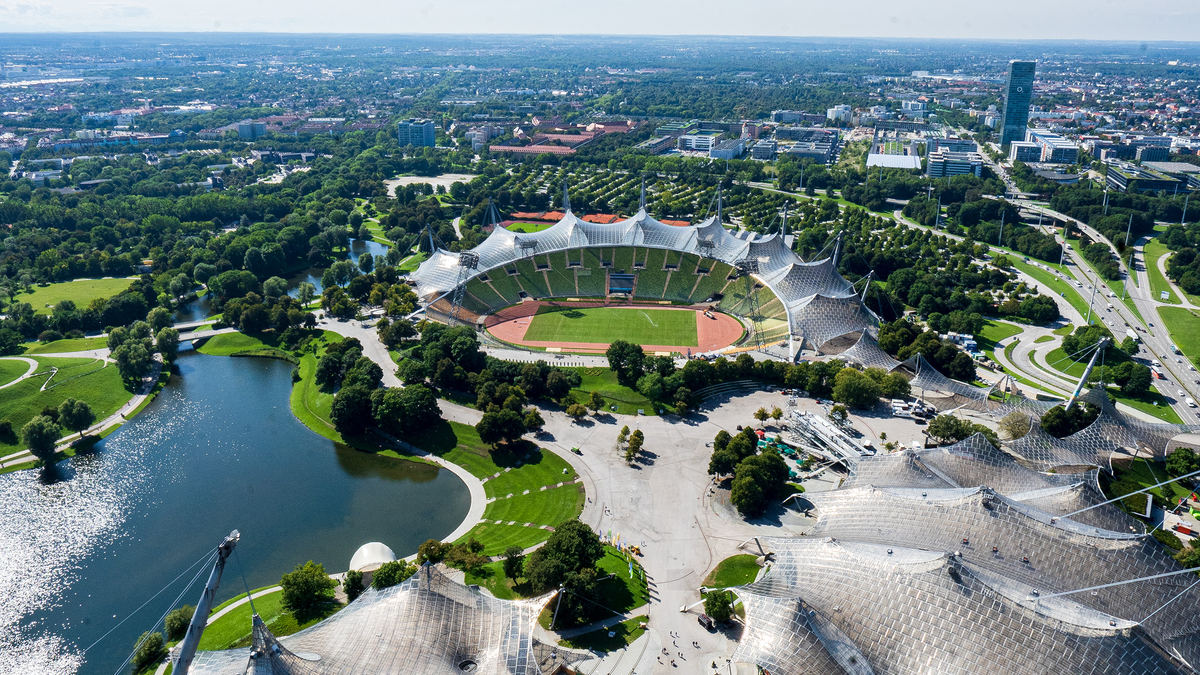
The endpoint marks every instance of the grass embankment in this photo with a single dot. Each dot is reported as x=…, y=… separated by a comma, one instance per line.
x=1065, y=330
x=1149, y=401
x=737, y=570
x=1044, y=338
x=994, y=331
x=1183, y=326
x=1061, y=288
x=69, y=345
x=11, y=369
x=616, y=592
x=84, y=379
x=79, y=291
x=413, y=261
x=241, y=344
x=628, y=401
x=523, y=471
x=233, y=629
x=1152, y=251
x=624, y=634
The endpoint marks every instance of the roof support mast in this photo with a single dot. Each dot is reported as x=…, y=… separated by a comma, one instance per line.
x=1100, y=347
x=191, y=640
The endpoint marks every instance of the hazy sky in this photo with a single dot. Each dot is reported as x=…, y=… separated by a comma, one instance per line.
x=994, y=19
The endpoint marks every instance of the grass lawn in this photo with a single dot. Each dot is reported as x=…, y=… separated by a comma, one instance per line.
x=491, y=576
x=618, y=593
x=737, y=570
x=80, y=291
x=1065, y=330
x=628, y=401
x=528, y=228
x=1146, y=473
x=993, y=332
x=1183, y=325
x=233, y=629
x=411, y=263
x=1044, y=338
x=608, y=324
x=11, y=369
x=75, y=345
x=84, y=379
x=624, y=634
x=228, y=344
x=1153, y=250
x=1061, y=288
x=528, y=468
x=1144, y=402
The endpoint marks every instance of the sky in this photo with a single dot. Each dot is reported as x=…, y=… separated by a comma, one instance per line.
x=1140, y=20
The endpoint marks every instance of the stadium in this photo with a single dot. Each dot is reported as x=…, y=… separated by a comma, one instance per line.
x=578, y=286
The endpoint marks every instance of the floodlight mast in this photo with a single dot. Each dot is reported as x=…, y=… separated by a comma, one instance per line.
x=468, y=261
x=191, y=639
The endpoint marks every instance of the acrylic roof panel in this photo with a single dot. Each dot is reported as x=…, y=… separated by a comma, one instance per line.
x=913, y=612
x=1031, y=547
x=820, y=319
x=772, y=253
x=867, y=353
x=801, y=280
x=428, y=624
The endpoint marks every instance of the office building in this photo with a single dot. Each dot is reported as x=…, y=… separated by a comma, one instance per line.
x=1024, y=151
x=700, y=141
x=1188, y=173
x=913, y=106
x=677, y=128
x=945, y=163
x=1125, y=177
x=657, y=145
x=1018, y=92
x=839, y=113
x=764, y=149
x=795, y=117
x=730, y=149
x=953, y=144
x=249, y=130
x=1152, y=153
x=1054, y=148
x=417, y=133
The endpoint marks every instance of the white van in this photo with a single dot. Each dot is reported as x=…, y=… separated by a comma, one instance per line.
x=1190, y=402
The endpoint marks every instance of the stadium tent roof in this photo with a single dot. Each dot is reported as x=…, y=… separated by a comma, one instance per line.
x=428, y=624
x=820, y=303
x=876, y=608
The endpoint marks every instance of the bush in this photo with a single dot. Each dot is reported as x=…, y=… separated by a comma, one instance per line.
x=177, y=622
x=353, y=584
x=1168, y=539
x=389, y=574
x=718, y=605
x=306, y=587
x=152, y=649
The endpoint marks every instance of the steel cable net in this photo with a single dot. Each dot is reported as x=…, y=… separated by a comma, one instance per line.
x=940, y=391
x=428, y=624
x=868, y=354
x=1026, y=546
x=819, y=319
x=902, y=610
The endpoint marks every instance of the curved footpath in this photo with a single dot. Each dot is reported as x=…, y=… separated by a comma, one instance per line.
x=29, y=373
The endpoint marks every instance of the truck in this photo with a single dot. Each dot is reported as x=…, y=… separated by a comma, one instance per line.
x=1129, y=332
x=1157, y=374
x=1176, y=350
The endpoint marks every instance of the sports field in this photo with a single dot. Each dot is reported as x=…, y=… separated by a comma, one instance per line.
x=608, y=324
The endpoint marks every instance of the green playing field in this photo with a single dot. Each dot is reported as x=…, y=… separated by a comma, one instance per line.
x=664, y=327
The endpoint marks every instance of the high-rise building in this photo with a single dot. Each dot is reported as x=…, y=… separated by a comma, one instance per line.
x=417, y=133
x=1018, y=92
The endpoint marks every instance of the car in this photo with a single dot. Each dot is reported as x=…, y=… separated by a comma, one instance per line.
x=1180, y=393
x=1191, y=367
x=1178, y=360
x=706, y=621
x=1150, y=324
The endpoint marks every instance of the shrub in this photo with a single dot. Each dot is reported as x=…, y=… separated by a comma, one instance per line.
x=177, y=621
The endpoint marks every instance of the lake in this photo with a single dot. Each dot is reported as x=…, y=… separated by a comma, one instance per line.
x=82, y=547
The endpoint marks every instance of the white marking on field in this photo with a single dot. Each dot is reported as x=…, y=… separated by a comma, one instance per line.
x=649, y=319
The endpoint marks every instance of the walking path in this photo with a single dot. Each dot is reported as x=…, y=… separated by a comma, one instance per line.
x=116, y=418
x=33, y=365
x=1184, y=301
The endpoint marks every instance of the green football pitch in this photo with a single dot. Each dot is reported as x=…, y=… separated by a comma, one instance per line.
x=663, y=327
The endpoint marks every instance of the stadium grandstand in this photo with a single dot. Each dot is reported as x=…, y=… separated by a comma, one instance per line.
x=643, y=260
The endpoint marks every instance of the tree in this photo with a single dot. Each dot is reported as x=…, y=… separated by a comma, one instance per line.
x=572, y=547
x=351, y=412
x=352, y=584
x=650, y=385
x=623, y=435
x=366, y=263
x=305, y=293
x=1129, y=346
x=306, y=588
x=41, y=435
x=534, y=421
x=761, y=415
x=75, y=415
x=1014, y=425
x=1182, y=462
x=177, y=621
x=167, y=343
x=504, y=426
x=718, y=606
x=1139, y=379
x=275, y=288
x=855, y=389
x=626, y=360
x=776, y=414
x=1059, y=423
x=747, y=496
x=133, y=361
x=159, y=318
x=839, y=415
x=390, y=573
x=150, y=650
x=576, y=411
x=514, y=561
x=595, y=402
x=432, y=551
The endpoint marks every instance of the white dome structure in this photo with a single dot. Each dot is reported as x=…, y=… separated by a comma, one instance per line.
x=371, y=556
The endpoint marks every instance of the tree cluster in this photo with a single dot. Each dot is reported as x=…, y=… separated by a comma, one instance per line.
x=758, y=478
x=951, y=429
x=903, y=340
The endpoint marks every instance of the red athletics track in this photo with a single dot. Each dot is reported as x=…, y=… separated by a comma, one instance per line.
x=510, y=324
